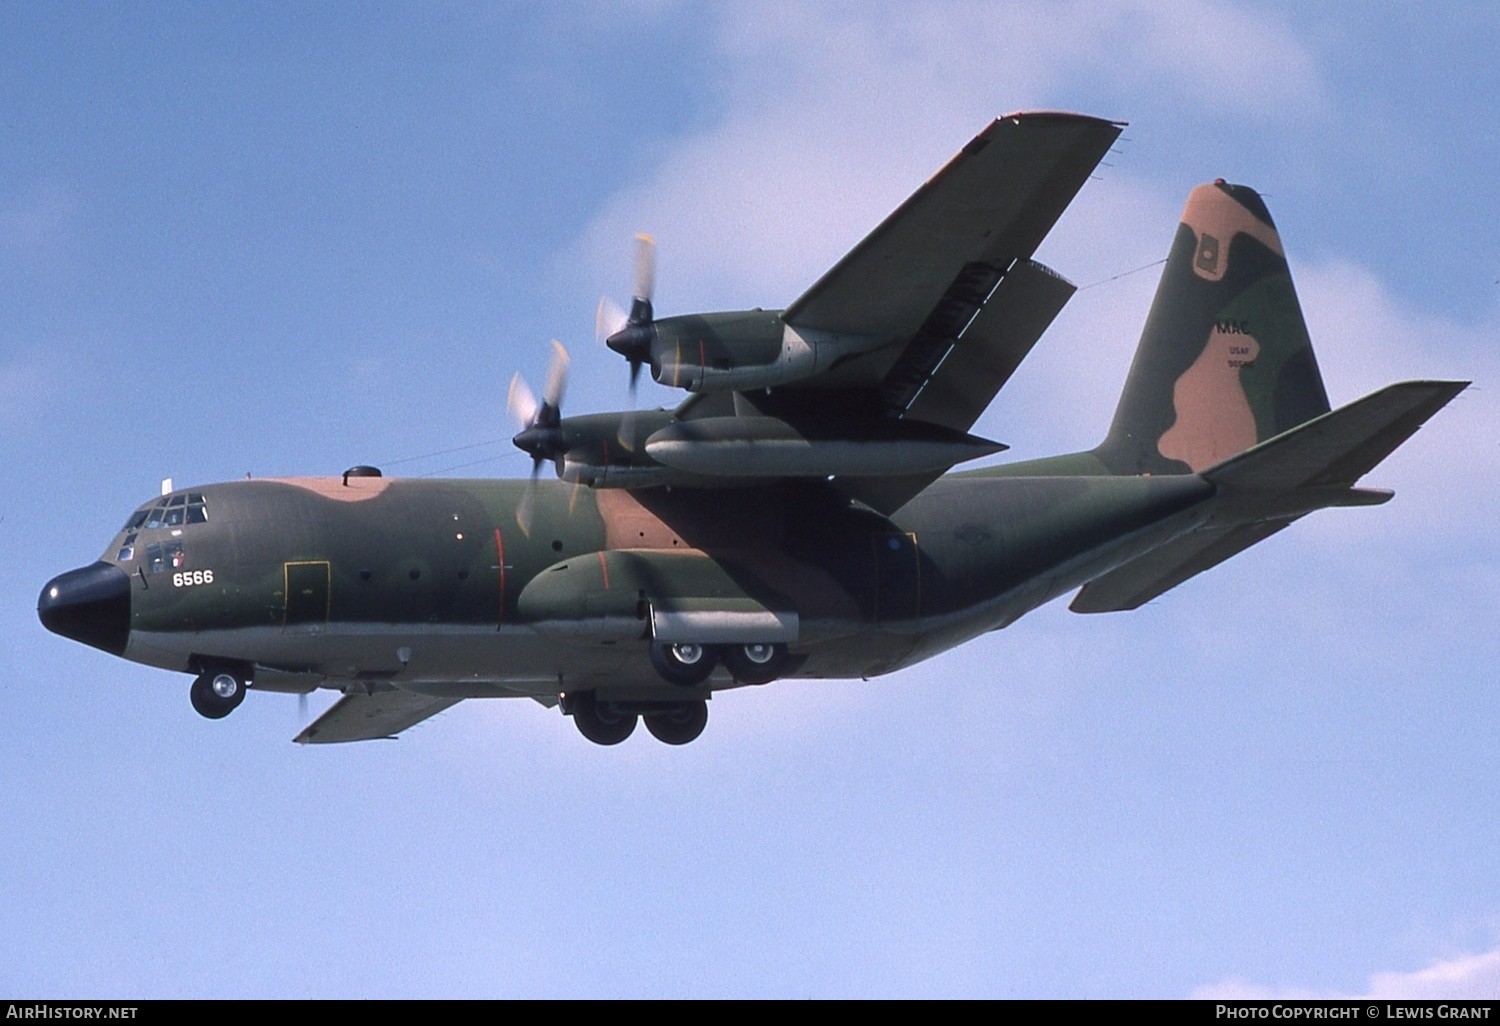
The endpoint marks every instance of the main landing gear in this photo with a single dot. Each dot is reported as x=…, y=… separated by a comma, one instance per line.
x=609, y=723
x=686, y=664
x=217, y=693
x=689, y=663
x=679, y=724
x=604, y=723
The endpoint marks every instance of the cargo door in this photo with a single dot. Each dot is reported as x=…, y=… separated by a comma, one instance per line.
x=306, y=593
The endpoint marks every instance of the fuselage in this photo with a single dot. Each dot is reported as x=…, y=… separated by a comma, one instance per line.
x=430, y=585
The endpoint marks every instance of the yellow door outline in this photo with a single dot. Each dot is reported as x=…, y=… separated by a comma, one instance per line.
x=308, y=588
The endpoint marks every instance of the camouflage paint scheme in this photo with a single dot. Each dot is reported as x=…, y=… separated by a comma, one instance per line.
x=409, y=595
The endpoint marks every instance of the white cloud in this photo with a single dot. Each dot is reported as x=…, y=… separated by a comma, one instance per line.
x=1366, y=339
x=28, y=383
x=1216, y=54
x=1462, y=977
x=834, y=114
x=38, y=225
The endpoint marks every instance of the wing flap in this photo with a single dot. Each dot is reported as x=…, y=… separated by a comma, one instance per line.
x=367, y=717
x=990, y=205
x=958, y=388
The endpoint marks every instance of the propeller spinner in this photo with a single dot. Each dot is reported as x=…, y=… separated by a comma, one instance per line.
x=541, y=435
x=631, y=335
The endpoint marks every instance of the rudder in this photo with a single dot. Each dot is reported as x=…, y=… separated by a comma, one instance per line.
x=1224, y=361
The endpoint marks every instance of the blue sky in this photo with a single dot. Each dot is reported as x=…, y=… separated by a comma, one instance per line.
x=288, y=238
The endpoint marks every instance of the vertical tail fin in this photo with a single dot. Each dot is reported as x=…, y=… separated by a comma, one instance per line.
x=1224, y=361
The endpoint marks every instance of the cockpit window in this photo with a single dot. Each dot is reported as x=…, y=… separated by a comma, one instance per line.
x=173, y=511
x=164, y=556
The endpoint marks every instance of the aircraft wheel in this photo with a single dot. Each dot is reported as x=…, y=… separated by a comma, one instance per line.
x=680, y=725
x=217, y=693
x=601, y=722
x=755, y=663
x=688, y=664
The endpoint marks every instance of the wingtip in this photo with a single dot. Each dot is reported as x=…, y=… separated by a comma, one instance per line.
x=1059, y=115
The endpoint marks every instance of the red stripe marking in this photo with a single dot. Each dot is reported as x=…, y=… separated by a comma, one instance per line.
x=604, y=566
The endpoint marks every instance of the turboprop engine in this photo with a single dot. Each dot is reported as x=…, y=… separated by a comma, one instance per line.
x=733, y=351
x=715, y=352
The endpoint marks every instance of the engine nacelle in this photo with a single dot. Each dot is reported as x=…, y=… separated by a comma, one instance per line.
x=747, y=349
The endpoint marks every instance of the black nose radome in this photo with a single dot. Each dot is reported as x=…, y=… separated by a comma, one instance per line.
x=90, y=604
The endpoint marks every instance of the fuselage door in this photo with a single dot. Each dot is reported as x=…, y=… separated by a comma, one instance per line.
x=306, y=593
x=898, y=577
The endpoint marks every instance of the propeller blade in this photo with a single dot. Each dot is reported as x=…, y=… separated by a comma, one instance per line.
x=557, y=376
x=527, y=506
x=521, y=404
x=608, y=319
x=626, y=436
x=645, y=267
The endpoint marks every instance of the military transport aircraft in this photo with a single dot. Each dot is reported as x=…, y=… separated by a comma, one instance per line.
x=793, y=517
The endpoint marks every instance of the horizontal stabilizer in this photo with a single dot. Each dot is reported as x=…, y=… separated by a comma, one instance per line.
x=1162, y=569
x=1339, y=447
x=366, y=717
x=1267, y=487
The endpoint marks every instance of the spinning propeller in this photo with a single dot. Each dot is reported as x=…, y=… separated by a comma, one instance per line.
x=632, y=334
x=541, y=435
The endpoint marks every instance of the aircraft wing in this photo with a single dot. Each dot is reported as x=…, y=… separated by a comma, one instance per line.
x=990, y=206
x=367, y=717
x=949, y=275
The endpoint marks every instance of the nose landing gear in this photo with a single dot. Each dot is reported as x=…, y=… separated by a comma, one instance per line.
x=217, y=693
